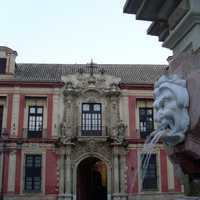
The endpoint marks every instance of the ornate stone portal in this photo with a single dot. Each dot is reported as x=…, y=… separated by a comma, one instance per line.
x=108, y=147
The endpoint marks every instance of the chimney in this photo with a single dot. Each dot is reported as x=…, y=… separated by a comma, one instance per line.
x=7, y=61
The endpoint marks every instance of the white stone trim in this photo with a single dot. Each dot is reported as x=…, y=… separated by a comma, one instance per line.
x=15, y=115
x=157, y=153
x=56, y=113
x=170, y=177
x=138, y=93
x=12, y=171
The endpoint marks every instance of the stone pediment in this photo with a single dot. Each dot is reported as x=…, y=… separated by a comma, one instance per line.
x=82, y=83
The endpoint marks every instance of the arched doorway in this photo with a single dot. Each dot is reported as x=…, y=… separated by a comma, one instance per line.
x=92, y=179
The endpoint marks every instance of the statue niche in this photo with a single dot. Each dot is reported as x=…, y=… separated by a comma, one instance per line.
x=171, y=106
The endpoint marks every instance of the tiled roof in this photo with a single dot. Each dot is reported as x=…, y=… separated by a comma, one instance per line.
x=132, y=74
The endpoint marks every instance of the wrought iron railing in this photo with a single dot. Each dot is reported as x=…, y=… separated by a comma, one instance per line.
x=94, y=131
x=145, y=134
x=4, y=132
x=34, y=134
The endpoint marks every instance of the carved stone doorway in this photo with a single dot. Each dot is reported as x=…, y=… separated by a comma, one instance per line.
x=92, y=179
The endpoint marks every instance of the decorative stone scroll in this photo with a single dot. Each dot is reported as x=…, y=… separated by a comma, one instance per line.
x=78, y=83
x=171, y=106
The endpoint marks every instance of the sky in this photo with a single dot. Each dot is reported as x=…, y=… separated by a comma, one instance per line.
x=76, y=31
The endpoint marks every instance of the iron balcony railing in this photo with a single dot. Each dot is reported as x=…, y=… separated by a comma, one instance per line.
x=145, y=134
x=93, y=131
x=4, y=132
x=27, y=133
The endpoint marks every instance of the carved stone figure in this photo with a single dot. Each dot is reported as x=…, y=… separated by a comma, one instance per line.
x=171, y=106
x=118, y=133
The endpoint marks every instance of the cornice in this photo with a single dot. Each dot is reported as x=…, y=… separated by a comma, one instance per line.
x=136, y=86
x=12, y=83
x=189, y=20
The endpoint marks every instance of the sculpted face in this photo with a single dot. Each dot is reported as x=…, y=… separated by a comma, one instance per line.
x=171, y=104
x=166, y=109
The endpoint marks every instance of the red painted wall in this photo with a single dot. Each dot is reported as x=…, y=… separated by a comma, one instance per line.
x=132, y=177
x=5, y=172
x=9, y=111
x=163, y=169
x=18, y=172
x=51, y=172
x=50, y=115
x=132, y=120
x=21, y=115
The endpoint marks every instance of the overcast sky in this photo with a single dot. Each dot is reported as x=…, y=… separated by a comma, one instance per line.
x=74, y=31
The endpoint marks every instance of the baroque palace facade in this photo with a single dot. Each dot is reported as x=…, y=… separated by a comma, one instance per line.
x=76, y=132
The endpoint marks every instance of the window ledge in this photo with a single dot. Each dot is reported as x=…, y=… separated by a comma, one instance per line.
x=150, y=191
x=95, y=138
x=31, y=193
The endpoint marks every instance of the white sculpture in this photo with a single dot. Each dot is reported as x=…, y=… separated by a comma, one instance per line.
x=171, y=108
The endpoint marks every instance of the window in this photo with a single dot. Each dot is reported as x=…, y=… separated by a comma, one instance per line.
x=35, y=121
x=91, y=119
x=33, y=173
x=150, y=177
x=146, y=122
x=1, y=118
x=2, y=65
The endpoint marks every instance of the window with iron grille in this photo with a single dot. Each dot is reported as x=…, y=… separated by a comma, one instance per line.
x=91, y=119
x=146, y=121
x=35, y=121
x=150, y=173
x=33, y=166
x=2, y=65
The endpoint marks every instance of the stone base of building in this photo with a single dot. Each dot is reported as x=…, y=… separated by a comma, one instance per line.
x=156, y=196
x=188, y=198
x=65, y=197
x=30, y=197
x=119, y=196
x=115, y=196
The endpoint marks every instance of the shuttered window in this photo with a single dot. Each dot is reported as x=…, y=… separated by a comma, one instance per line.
x=33, y=166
